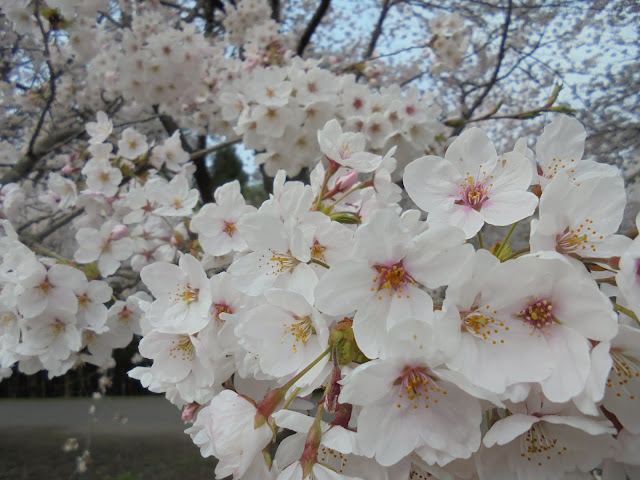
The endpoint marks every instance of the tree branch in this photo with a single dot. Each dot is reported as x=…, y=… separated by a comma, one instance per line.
x=29, y=160
x=496, y=72
x=55, y=226
x=311, y=27
x=205, y=151
x=377, y=31
x=52, y=81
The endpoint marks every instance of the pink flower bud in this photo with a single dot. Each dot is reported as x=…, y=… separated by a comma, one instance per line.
x=346, y=181
x=118, y=232
x=190, y=411
x=68, y=168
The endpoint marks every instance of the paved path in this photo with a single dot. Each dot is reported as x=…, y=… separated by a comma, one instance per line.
x=113, y=415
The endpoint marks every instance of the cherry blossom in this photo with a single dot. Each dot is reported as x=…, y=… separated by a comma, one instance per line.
x=183, y=296
x=100, y=130
x=471, y=185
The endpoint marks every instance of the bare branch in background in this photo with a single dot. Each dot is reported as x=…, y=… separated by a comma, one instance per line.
x=467, y=113
x=377, y=31
x=311, y=27
x=52, y=81
x=28, y=161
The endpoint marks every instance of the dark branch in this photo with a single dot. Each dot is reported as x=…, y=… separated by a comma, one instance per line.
x=275, y=10
x=386, y=6
x=203, y=180
x=311, y=27
x=29, y=160
x=52, y=82
x=496, y=72
x=57, y=224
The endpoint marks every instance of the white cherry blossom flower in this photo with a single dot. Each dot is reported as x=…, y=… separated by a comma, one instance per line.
x=183, y=296
x=279, y=248
x=560, y=148
x=52, y=334
x=52, y=288
x=492, y=352
x=472, y=186
x=286, y=332
x=408, y=404
x=175, y=356
x=175, y=198
x=544, y=444
x=556, y=303
x=92, y=313
x=338, y=449
x=102, y=177
x=216, y=222
x=235, y=441
x=346, y=149
x=581, y=220
x=64, y=189
x=99, y=245
x=381, y=279
x=132, y=144
x=622, y=393
x=170, y=153
x=628, y=279
x=100, y=130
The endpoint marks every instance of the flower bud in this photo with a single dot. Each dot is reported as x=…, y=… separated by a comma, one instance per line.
x=346, y=181
x=190, y=411
x=118, y=232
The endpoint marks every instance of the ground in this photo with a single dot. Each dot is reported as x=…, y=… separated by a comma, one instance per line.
x=138, y=438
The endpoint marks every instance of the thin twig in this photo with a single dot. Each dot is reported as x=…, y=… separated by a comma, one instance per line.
x=52, y=81
x=59, y=224
x=201, y=153
x=496, y=72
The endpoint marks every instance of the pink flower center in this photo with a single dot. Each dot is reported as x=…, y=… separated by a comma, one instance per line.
x=301, y=329
x=578, y=239
x=218, y=308
x=184, y=293
x=392, y=278
x=473, y=193
x=229, y=228
x=317, y=251
x=182, y=348
x=57, y=327
x=417, y=388
x=539, y=315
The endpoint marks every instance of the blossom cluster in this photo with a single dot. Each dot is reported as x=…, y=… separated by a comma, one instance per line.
x=271, y=99
x=524, y=367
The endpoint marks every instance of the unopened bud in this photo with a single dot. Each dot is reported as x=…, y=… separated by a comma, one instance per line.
x=190, y=411
x=68, y=168
x=346, y=181
x=118, y=232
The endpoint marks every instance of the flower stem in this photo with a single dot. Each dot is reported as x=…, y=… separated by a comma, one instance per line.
x=480, y=241
x=517, y=254
x=356, y=188
x=626, y=311
x=506, y=239
x=291, y=398
x=333, y=168
x=319, y=262
x=37, y=248
x=290, y=383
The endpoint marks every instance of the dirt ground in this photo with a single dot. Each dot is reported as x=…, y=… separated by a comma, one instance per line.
x=128, y=439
